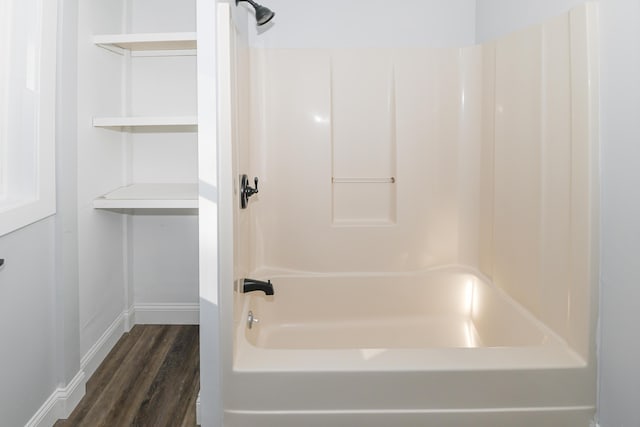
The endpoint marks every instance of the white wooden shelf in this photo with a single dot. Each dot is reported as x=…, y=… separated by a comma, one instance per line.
x=150, y=196
x=188, y=123
x=147, y=41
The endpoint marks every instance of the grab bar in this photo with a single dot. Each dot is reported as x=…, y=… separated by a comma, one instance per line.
x=390, y=180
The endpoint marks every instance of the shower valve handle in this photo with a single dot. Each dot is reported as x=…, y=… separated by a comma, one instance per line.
x=251, y=191
x=246, y=190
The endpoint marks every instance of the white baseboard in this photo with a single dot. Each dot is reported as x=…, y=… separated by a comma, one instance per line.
x=99, y=351
x=198, y=410
x=129, y=319
x=60, y=404
x=139, y=314
x=166, y=314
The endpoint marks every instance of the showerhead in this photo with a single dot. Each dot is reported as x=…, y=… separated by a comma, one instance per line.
x=263, y=14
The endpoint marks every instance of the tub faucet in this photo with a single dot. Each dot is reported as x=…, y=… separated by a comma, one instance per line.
x=251, y=285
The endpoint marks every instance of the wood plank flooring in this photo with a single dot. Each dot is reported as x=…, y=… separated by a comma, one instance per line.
x=150, y=378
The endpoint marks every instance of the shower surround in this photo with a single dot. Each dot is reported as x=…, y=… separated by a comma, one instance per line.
x=384, y=168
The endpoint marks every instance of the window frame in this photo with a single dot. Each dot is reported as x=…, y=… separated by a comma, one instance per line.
x=18, y=209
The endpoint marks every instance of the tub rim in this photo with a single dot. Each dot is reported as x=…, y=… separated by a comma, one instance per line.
x=553, y=353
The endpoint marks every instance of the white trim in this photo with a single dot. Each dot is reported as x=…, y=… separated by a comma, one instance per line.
x=213, y=31
x=99, y=351
x=166, y=314
x=73, y=393
x=5, y=57
x=462, y=417
x=198, y=410
x=17, y=209
x=60, y=404
x=448, y=411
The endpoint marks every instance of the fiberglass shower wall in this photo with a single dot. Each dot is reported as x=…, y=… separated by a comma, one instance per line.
x=408, y=158
x=366, y=158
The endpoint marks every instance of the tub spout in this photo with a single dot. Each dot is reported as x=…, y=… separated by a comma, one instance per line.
x=251, y=285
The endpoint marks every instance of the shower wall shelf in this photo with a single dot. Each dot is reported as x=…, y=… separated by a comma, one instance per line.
x=150, y=196
x=391, y=180
x=145, y=42
x=178, y=123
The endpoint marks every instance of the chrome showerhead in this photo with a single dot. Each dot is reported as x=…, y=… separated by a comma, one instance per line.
x=263, y=14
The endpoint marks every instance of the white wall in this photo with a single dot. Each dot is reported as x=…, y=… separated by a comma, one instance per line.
x=164, y=259
x=100, y=170
x=38, y=285
x=215, y=244
x=620, y=200
x=163, y=247
x=27, y=326
x=366, y=23
x=619, y=372
x=498, y=17
x=66, y=247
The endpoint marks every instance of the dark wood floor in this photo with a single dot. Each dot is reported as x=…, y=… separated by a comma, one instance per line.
x=150, y=378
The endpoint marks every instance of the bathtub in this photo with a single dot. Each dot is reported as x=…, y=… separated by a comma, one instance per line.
x=435, y=348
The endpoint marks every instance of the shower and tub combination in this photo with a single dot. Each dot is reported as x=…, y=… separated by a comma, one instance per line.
x=421, y=251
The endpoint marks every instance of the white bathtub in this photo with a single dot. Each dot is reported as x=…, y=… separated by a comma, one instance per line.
x=438, y=348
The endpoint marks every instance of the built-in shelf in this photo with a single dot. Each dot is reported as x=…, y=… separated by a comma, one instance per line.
x=150, y=196
x=147, y=41
x=187, y=123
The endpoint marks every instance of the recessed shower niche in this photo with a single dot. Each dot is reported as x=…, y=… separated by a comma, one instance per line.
x=363, y=135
